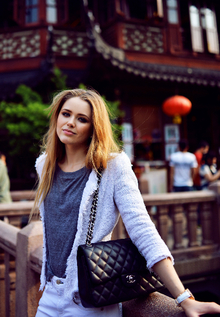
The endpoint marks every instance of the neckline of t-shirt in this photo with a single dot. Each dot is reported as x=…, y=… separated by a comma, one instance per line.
x=75, y=173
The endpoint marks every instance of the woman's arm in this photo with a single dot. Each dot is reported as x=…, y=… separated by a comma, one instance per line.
x=145, y=236
x=165, y=270
x=212, y=178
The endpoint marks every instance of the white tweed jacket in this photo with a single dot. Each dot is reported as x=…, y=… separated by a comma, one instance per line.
x=118, y=193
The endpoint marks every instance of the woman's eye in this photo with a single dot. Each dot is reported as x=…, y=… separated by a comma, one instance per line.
x=65, y=114
x=83, y=120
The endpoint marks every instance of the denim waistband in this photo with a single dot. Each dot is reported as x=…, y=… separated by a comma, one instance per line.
x=57, y=281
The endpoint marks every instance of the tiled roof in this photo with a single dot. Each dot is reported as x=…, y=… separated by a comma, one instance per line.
x=173, y=73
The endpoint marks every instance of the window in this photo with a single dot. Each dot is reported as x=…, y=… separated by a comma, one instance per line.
x=209, y=24
x=160, y=8
x=32, y=11
x=51, y=11
x=185, y=26
x=145, y=9
x=172, y=12
x=196, y=31
x=204, y=33
x=106, y=10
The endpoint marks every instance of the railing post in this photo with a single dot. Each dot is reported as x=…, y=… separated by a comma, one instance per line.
x=177, y=216
x=192, y=223
x=27, y=281
x=216, y=214
x=7, y=284
x=207, y=223
x=2, y=290
x=162, y=221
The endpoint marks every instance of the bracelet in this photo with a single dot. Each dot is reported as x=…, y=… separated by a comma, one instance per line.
x=186, y=294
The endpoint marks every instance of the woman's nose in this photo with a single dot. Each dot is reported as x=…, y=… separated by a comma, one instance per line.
x=71, y=122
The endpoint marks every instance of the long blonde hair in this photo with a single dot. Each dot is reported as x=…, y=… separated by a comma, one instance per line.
x=101, y=145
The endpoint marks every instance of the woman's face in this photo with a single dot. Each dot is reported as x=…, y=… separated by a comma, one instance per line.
x=74, y=122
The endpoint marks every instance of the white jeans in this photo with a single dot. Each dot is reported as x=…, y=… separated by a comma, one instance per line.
x=53, y=304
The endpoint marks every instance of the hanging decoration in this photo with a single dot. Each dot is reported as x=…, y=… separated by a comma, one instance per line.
x=176, y=107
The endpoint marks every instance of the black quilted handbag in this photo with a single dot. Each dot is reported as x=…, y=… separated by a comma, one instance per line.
x=113, y=271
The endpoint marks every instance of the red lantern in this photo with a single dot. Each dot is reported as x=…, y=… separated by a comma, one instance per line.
x=177, y=106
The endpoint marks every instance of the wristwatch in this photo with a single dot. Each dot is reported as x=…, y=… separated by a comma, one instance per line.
x=186, y=294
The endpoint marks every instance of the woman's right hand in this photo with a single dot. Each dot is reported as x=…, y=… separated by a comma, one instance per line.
x=194, y=308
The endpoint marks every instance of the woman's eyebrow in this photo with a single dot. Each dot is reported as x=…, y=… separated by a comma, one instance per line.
x=84, y=115
x=79, y=114
x=66, y=110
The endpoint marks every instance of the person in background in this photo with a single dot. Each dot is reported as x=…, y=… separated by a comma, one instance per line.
x=182, y=168
x=208, y=171
x=5, y=196
x=199, y=154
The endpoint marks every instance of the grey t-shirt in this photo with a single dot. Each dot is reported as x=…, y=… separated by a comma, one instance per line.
x=61, y=214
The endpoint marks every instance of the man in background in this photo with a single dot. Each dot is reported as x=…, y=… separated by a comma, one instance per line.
x=183, y=165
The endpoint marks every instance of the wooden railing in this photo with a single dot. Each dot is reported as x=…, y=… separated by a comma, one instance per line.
x=23, y=195
x=188, y=222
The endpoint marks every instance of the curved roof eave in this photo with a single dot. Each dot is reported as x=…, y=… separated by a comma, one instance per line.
x=151, y=71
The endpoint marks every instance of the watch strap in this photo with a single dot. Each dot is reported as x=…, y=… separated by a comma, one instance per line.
x=186, y=294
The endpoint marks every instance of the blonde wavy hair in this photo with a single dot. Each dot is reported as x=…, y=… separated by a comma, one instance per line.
x=99, y=148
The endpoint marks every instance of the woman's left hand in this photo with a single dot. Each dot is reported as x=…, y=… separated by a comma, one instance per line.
x=194, y=308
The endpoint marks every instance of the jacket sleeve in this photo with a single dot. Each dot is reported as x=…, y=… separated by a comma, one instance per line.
x=139, y=226
x=39, y=164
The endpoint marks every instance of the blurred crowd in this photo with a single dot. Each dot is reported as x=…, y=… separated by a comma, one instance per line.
x=192, y=171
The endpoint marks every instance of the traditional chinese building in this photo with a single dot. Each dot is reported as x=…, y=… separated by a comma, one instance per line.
x=137, y=51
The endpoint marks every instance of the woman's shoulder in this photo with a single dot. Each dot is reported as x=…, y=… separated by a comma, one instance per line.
x=119, y=160
x=204, y=168
x=40, y=161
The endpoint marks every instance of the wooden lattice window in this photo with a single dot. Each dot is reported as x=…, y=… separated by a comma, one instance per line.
x=31, y=11
x=172, y=12
x=51, y=11
x=204, y=34
x=28, y=12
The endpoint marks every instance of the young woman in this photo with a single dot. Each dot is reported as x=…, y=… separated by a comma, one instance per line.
x=208, y=171
x=78, y=143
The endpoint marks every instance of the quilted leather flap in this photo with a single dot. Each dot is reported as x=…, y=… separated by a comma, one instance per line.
x=107, y=260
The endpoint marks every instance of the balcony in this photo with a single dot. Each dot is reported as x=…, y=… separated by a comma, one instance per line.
x=27, y=48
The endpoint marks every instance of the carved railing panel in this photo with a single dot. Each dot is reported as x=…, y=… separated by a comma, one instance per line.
x=70, y=43
x=20, y=44
x=141, y=38
x=34, y=42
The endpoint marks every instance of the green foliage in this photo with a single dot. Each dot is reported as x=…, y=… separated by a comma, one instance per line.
x=59, y=79
x=115, y=114
x=26, y=122
x=28, y=95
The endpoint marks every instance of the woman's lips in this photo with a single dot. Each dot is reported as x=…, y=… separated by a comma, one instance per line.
x=68, y=132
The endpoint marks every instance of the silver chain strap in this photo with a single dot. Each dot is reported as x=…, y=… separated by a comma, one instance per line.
x=93, y=211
